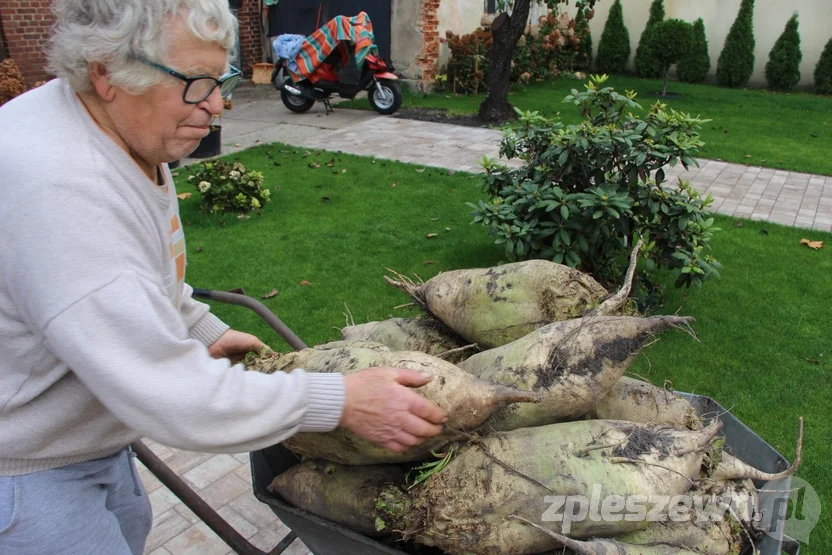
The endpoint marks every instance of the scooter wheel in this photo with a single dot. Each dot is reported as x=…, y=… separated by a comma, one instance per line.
x=295, y=103
x=386, y=97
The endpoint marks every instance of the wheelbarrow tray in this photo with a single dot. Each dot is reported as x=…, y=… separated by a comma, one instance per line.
x=324, y=537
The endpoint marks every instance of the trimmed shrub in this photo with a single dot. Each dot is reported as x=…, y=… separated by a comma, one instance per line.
x=614, y=48
x=670, y=41
x=823, y=71
x=646, y=63
x=583, y=59
x=783, y=67
x=693, y=67
x=736, y=61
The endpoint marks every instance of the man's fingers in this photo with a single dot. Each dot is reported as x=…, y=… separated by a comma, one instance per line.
x=411, y=378
x=427, y=410
x=396, y=447
x=407, y=439
x=252, y=343
x=420, y=428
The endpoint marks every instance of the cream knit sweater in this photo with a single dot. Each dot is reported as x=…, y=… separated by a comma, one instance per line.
x=100, y=341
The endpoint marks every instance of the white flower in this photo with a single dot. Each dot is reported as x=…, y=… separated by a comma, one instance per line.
x=234, y=175
x=204, y=186
x=191, y=177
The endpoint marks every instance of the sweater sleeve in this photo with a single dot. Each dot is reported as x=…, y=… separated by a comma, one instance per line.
x=134, y=353
x=202, y=324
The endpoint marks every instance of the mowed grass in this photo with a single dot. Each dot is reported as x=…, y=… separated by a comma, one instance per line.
x=765, y=345
x=789, y=131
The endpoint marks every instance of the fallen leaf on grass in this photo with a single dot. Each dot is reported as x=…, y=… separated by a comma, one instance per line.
x=748, y=156
x=393, y=185
x=331, y=163
x=307, y=153
x=325, y=199
x=737, y=224
x=430, y=261
x=314, y=165
x=184, y=196
x=270, y=294
x=812, y=244
x=199, y=249
x=814, y=361
x=431, y=235
x=186, y=223
x=421, y=170
x=434, y=219
x=304, y=283
x=344, y=171
x=447, y=229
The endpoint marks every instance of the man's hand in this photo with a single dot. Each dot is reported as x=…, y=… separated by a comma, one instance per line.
x=234, y=345
x=380, y=407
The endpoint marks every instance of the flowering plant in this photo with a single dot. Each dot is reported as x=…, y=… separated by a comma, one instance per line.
x=225, y=187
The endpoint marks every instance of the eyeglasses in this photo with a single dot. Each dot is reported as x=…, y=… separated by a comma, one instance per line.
x=199, y=88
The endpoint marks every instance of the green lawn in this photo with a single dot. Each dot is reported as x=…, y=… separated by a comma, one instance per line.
x=785, y=131
x=765, y=345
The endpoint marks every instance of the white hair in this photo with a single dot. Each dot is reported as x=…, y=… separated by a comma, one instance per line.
x=115, y=33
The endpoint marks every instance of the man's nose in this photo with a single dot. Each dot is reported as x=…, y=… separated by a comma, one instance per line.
x=214, y=102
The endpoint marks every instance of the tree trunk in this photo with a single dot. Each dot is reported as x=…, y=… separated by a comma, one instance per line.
x=509, y=29
x=666, y=74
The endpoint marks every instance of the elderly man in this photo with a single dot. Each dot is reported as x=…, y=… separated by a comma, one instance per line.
x=100, y=340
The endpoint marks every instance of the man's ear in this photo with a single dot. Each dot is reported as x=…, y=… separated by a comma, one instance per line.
x=100, y=79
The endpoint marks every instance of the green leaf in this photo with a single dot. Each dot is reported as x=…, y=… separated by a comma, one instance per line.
x=597, y=214
x=583, y=243
x=564, y=156
x=564, y=211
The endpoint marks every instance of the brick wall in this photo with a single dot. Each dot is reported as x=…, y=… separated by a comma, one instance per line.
x=428, y=58
x=250, y=43
x=26, y=26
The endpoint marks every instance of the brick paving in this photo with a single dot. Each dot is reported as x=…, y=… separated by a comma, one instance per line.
x=258, y=117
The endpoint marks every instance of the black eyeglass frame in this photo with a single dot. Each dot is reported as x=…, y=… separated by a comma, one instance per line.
x=233, y=73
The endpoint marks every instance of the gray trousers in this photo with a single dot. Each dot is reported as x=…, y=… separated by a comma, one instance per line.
x=93, y=507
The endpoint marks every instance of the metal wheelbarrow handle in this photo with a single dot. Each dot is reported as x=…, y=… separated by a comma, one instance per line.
x=178, y=486
x=244, y=300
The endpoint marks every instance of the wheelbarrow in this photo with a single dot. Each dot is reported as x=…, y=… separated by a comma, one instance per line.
x=324, y=537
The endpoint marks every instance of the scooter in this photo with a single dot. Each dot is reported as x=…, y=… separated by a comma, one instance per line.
x=383, y=92
x=314, y=73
